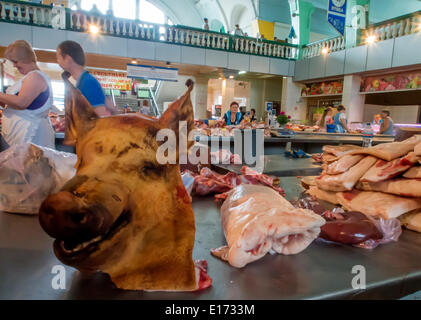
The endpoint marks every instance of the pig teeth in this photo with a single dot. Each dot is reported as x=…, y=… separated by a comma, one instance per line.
x=80, y=246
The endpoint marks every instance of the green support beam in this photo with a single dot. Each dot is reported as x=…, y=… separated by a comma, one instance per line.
x=301, y=12
x=356, y=21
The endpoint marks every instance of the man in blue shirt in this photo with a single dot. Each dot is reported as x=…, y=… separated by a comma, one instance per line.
x=71, y=58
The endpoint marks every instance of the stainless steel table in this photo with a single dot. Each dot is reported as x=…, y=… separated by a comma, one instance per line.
x=281, y=166
x=322, y=271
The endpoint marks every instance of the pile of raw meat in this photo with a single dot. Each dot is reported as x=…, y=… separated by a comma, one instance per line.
x=383, y=181
x=219, y=128
x=210, y=182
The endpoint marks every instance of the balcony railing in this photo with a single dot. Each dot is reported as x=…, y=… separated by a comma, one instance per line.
x=389, y=29
x=323, y=46
x=397, y=27
x=80, y=21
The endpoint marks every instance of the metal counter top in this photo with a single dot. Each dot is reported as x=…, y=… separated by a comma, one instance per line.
x=324, y=138
x=281, y=166
x=322, y=271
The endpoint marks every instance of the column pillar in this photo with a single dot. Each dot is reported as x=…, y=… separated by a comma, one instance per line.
x=78, y=5
x=301, y=12
x=110, y=8
x=292, y=103
x=200, y=96
x=227, y=94
x=352, y=100
x=356, y=21
x=137, y=10
x=257, y=89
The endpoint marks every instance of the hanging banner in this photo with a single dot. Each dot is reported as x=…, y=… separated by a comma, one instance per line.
x=322, y=88
x=152, y=72
x=112, y=80
x=336, y=14
x=398, y=81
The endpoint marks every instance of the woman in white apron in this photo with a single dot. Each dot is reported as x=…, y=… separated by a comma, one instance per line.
x=27, y=102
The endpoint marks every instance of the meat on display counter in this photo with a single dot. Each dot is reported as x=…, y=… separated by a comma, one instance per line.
x=28, y=259
x=307, y=141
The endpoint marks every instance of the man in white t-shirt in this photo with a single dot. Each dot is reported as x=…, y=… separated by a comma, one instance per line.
x=206, y=25
x=238, y=31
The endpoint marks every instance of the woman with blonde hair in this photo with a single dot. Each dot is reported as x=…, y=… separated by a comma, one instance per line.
x=326, y=118
x=27, y=103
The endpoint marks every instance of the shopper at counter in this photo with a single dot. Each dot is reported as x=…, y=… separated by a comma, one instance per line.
x=233, y=116
x=339, y=120
x=326, y=118
x=27, y=102
x=386, y=126
x=71, y=58
x=252, y=115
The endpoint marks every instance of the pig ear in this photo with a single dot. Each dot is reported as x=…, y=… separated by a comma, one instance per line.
x=180, y=110
x=79, y=115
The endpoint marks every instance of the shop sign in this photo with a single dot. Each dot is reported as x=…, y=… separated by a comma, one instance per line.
x=152, y=72
x=322, y=88
x=336, y=14
x=391, y=82
x=269, y=106
x=113, y=80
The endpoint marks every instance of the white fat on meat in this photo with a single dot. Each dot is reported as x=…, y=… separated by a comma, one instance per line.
x=392, y=150
x=417, y=149
x=411, y=220
x=384, y=170
x=377, y=204
x=329, y=158
x=328, y=196
x=401, y=187
x=340, y=150
x=343, y=164
x=347, y=180
x=257, y=220
x=413, y=173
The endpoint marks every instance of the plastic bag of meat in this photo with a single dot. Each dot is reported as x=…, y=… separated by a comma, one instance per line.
x=352, y=227
x=257, y=220
x=391, y=230
x=29, y=173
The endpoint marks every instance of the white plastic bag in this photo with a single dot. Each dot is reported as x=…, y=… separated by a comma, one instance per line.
x=29, y=173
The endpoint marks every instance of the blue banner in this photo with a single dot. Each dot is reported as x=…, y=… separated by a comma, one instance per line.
x=337, y=6
x=336, y=15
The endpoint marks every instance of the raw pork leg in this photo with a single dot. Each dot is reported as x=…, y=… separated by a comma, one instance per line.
x=377, y=204
x=323, y=195
x=392, y=150
x=328, y=158
x=400, y=187
x=343, y=164
x=340, y=150
x=411, y=221
x=257, y=220
x=413, y=173
x=383, y=170
x=345, y=181
x=417, y=149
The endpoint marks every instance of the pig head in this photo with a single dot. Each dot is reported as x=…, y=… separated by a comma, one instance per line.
x=124, y=213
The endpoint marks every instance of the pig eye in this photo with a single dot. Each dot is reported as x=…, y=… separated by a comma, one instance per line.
x=150, y=168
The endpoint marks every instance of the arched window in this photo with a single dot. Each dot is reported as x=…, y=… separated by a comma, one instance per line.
x=147, y=11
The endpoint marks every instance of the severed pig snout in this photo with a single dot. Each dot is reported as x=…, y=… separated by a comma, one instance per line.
x=67, y=217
